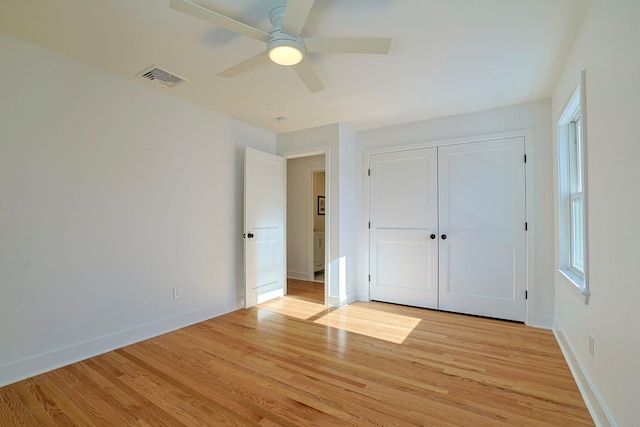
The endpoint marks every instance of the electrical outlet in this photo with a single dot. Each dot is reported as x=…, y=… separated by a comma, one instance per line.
x=177, y=293
x=592, y=345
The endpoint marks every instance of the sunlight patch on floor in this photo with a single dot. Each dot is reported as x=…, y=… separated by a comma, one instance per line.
x=354, y=318
x=294, y=307
x=381, y=325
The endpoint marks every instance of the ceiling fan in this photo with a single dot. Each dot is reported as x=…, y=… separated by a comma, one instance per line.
x=285, y=44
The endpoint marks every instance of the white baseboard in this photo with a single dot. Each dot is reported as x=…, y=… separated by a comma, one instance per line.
x=336, y=302
x=300, y=275
x=352, y=297
x=544, y=321
x=38, y=364
x=598, y=410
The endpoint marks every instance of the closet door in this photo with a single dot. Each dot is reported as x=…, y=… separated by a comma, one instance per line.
x=482, y=228
x=403, y=214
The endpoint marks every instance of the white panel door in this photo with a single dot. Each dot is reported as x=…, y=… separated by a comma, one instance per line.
x=482, y=228
x=264, y=210
x=403, y=230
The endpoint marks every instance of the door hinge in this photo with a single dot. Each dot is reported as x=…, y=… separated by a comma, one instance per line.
x=525, y=158
x=526, y=226
x=526, y=294
x=369, y=225
x=368, y=172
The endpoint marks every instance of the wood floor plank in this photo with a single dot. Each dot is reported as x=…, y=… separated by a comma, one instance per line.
x=36, y=410
x=90, y=401
x=292, y=362
x=180, y=395
x=308, y=291
x=62, y=408
x=147, y=412
x=12, y=411
x=249, y=382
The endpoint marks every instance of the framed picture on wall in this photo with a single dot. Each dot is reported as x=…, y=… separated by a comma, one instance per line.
x=321, y=205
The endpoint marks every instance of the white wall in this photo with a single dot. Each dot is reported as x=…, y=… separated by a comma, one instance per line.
x=111, y=195
x=608, y=49
x=318, y=191
x=299, y=205
x=348, y=228
x=533, y=117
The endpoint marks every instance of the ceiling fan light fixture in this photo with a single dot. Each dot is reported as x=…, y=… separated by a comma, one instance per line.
x=285, y=50
x=285, y=55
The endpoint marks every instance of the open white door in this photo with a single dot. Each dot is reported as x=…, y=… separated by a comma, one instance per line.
x=264, y=211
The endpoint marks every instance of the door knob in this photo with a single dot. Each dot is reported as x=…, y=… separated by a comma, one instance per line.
x=444, y=237
x=433, y=236
x=250, y=235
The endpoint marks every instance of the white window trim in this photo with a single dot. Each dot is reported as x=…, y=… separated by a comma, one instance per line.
x=577, y=102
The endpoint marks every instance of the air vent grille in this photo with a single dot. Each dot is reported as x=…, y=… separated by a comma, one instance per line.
x=160, y=76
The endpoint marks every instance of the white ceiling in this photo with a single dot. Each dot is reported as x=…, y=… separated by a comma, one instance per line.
x=447, y=56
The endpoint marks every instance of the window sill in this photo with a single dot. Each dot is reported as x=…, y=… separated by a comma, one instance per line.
x=576, y=283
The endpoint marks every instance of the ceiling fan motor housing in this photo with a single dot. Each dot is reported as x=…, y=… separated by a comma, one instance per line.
x=283, y=48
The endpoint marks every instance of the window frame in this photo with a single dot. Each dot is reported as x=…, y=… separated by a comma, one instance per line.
x=575, y=193
x=572, y=186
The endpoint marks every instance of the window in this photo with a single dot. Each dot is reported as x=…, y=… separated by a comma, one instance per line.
x=576, y=214
x=572, y=193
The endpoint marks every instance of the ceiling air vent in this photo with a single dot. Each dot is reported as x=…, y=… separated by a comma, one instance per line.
x=160, y=76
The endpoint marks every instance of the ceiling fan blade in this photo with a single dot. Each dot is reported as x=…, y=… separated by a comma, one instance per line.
x=347, y=45
x=218, y=19
x=245, y=65
x=295, y=16
x=308, y=77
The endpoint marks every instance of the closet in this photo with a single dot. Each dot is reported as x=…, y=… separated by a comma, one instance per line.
x=447, y=227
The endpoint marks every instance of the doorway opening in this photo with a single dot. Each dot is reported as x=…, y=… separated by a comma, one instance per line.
x=306, y=207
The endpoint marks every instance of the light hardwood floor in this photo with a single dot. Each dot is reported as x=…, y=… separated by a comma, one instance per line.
x=292, y=362
x=309, y=291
